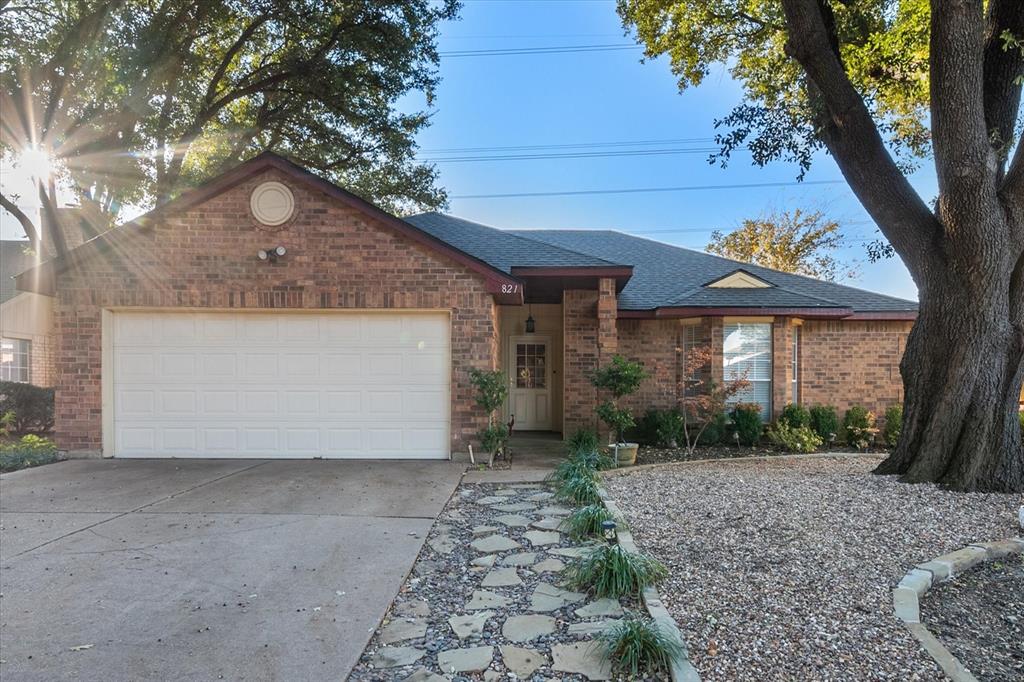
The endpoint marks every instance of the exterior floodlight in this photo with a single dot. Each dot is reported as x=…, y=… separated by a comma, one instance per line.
x=262, y=254
x=271, y=254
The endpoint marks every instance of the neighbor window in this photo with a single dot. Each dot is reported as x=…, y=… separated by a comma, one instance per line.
x=795, y=396
x=747, y=352
x=14, y=354
x=692, y=337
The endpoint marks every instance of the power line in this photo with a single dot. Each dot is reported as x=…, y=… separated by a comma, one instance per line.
x=554, y=49
x=576, y=145
x=636, y=190
x=570, y=155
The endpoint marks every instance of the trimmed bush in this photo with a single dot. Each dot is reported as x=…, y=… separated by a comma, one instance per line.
x=29, y=451
x=859, y=427
x=893, y=425
x=716, y=431
x=795, y=416
x=824, y=419
x=610, y=571
x=586, y=521
x=794, y=439
x=640, y=648
x=663, y=428
x=746, y=422
x=31, y=407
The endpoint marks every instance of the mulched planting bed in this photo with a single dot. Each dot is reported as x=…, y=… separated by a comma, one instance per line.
x=650, y=454
x=782, y=569
x=517, y=602
x=979, y=616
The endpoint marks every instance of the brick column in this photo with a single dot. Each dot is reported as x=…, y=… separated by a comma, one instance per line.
x=607, y=312
x=581, y=356
x=715, y=338
x=782, y=364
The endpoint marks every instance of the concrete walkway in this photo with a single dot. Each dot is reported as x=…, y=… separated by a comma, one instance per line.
x=206, y=569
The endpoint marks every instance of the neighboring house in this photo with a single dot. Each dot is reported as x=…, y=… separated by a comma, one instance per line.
x=186, y=333
x=26, y=321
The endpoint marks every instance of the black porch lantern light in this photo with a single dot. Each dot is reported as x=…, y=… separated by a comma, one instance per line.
x=608, y=530
x=531, y=326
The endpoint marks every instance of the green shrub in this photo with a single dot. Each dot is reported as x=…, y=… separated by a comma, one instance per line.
x=825, y=422
x=31, y=407
x=594, y=459
x=621, y=377
x=646, y=431
x=859, y=427
x=583, y=440
x=1021, y=416
x=586, y=521
x=795, y=416
x=29, y=451
x=611, y=571
x=493, y=437
x=491, y=391
x=579, y=490
x=640, y=648
x=577, y=466
x=746, y=422
x=794, y=439
x=893, y=425
x=663, y=428
x=716, y=431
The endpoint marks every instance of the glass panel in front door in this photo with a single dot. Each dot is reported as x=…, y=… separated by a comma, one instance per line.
x=531, y=365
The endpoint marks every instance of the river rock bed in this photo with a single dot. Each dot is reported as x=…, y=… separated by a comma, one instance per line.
x=484, y=600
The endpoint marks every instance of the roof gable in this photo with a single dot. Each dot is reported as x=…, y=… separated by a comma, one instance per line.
x=739, y=279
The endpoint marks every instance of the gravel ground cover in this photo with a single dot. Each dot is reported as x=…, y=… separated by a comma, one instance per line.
x=649, y=454
x=782, y=569
x=979, y=616
x=484, y=597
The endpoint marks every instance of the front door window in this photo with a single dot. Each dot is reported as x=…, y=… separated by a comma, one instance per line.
x=531, y=365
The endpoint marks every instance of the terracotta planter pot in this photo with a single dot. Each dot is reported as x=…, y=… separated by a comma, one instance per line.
x=626, y=453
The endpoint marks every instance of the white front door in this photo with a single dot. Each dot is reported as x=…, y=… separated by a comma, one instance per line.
x=530, y=372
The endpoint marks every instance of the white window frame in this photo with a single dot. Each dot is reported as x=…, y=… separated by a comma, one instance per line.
x=760, y=377
x=17, y=352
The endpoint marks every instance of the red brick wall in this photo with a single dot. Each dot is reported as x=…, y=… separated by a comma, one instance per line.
x=657, y=344
x=205, y=257
x=581, y=357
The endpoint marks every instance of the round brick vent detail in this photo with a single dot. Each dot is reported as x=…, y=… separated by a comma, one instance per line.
x=272, y=203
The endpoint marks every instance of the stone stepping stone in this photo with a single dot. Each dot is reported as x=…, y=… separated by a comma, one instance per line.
x=520, y=559
x=402, y=629
x=547, y=597
x=421, y=674
x=522, y=661
x=539, y=538
x=525, y=628
x=600, y=607
x=442, y=544
x=395, y=656
x=492, y=499
x=484, y=561
x=426, y=567
x=501, y=577
x=547, y=523
x=571, y=552
x=539, y=497
x=582, y=658
x=591, y=628
x=506, y=492
x=554, y=511
x=514, y=520
x=413, y=607
x=482, y=599
x=470, y=660
x=472, y=624
x=515, y=507
x=548, y=566
x=494, y=543
x=479, y=531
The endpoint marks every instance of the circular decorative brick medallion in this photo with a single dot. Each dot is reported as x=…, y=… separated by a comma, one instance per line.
x=272, y=203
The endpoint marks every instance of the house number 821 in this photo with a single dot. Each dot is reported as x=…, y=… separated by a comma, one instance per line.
x=510, y=288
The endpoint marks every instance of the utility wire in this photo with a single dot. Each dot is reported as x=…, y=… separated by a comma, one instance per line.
x=577, y=145
x=636, y=190
x=569, y=155
x=554, y=49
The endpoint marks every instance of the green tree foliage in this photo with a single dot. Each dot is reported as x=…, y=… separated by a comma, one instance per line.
x=141, y=100
x=800, y=242
x=621, y=377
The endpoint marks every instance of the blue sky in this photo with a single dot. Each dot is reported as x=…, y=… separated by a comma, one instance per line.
x=601, y=97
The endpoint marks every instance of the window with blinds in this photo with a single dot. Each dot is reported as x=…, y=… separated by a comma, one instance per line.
x=747, y=351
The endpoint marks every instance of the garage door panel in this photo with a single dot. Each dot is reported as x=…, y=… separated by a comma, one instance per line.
x=281, y=385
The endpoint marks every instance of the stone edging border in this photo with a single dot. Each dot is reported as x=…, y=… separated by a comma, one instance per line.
x=624, y=471
x=682, y=670
x=906, y=598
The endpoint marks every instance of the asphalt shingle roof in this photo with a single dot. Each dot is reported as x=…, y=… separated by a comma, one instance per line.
x=501, y=249
x=663, y=275
x=13, y=261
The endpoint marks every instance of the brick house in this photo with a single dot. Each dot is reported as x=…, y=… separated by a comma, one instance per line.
x=270, y=313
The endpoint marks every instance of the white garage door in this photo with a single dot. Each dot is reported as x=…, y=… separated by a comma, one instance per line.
x=372, y=385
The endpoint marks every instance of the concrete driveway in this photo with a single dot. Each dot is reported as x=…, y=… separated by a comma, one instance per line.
x=205, y=569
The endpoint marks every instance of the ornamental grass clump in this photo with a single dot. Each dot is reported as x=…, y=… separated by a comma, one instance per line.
x=586, y=521
x=640, y=648
x=611, y=571
x=579, y=490
x=573, y=467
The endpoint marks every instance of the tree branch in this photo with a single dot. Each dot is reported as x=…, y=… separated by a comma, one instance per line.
x=23, y=219
x=229, y=56
x=1003, y=70
x=850, y=134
